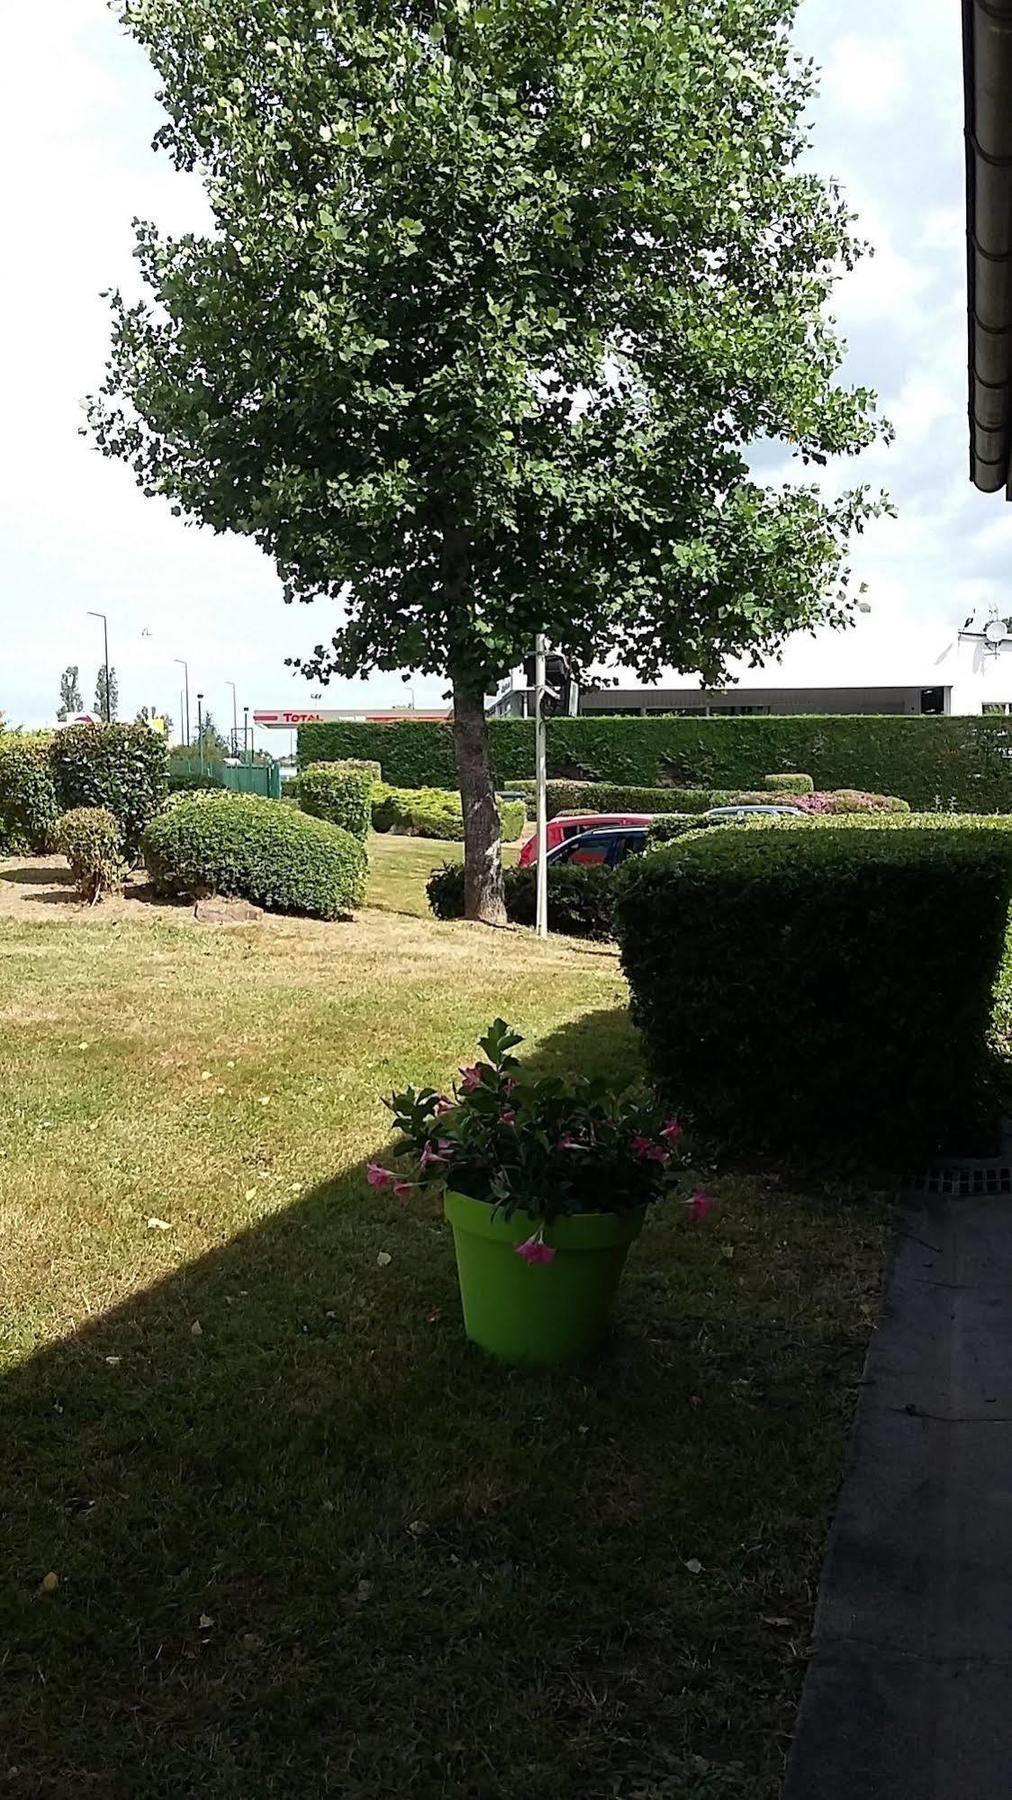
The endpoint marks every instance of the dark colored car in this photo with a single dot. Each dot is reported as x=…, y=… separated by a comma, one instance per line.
x=603, y=848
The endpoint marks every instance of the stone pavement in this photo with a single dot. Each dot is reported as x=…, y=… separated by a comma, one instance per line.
x=909, y=1690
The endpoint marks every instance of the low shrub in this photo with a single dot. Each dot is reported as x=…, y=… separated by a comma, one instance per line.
x=29, y=809
x=579, y=897
x=91, y=839
x=339, y=793
x=826, y=990
x=123, y=768
x=434, y=813
x=182, y=780
x=789, y=784
x=247, y=848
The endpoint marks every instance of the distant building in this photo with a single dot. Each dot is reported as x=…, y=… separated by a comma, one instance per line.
x=679, y=702
x=929, y=670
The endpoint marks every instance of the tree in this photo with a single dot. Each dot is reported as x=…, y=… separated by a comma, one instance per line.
x=211, y=742
x=70, y=693
x=499, y=297
x=146, y=715
x=102, y=710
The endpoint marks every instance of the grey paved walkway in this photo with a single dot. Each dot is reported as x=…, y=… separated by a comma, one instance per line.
x=909, y=1692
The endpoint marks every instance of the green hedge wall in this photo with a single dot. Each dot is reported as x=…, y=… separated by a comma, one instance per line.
x=828, y=990
x=961, y=764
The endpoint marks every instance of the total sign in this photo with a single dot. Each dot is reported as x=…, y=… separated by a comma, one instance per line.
x=282, y=720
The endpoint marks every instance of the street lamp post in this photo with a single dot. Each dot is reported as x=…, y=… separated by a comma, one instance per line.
x=245, y=734
x=107, y=698
x=540, y=764
x=235, y=721
x=200, y=730
x=184, y=665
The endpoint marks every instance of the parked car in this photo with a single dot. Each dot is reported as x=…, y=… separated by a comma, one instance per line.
x=570, y=825
x=603, y=848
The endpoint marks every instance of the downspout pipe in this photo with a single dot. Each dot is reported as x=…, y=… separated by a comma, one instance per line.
x=987, y=62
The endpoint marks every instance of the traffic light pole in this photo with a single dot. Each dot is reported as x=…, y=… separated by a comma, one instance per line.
x=540, y=769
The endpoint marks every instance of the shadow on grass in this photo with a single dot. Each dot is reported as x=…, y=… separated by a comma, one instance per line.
x=323, y=1547
x=34, y=875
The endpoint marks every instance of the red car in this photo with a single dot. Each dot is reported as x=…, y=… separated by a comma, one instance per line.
x=568, y=825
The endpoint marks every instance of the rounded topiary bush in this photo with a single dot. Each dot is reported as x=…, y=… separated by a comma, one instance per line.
x=340, y=793
x=123, y=768
x=247, y=848
x=91, y=839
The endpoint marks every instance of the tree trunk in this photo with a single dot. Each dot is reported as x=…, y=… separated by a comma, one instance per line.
x=483, y=895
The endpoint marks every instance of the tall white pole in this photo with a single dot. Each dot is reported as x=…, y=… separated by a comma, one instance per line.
x=540, y=772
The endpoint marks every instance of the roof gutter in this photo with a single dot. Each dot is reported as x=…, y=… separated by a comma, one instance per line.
x=987, y=69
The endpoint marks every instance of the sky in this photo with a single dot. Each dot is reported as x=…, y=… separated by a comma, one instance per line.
x=77, y=114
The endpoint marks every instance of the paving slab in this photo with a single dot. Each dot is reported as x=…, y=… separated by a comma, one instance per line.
x=909, y=1690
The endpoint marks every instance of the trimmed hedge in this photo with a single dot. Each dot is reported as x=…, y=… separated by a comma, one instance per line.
x=591, y=796
x=665, y=829
x=248, y=848
x=182, y=781
x=123, y=768
x=597, y=796
x=434, y=813
x=826, y=990
x=580, y=898
x=29, y=809
x=91, y=839
x=340, y=793
x=789, y=784
x=932, y=762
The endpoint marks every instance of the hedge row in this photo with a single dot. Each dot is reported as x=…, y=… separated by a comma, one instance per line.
x=934, y=763
x=593, y=796
x=580, y=899
x=827, y=989
x=434, y=813
x=242, y=846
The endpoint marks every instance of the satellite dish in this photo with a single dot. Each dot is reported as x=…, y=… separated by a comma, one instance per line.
x=994, y=633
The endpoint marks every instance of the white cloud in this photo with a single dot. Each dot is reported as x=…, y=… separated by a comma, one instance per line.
x=865, y=76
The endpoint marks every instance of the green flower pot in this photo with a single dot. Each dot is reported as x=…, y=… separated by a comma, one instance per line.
x=529, y=1313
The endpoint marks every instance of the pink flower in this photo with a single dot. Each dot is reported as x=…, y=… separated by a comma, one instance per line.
x=434, y=1153
x=672, y=1131
x=403, y=1190
x=442, y=1106
x=470, y=1079
x=568, y=1142
x=508, y=1117
x=647, y=1150
x=535, y=1250
x=700, y=1205
x=378, y=1177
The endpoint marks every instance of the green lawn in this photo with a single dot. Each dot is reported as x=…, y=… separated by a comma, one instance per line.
x=307, y=1542
x=400, y=866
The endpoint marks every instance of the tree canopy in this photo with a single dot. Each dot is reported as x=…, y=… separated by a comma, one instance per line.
x=498, y=298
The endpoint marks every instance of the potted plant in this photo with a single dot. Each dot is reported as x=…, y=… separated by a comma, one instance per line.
x=546, y=1185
